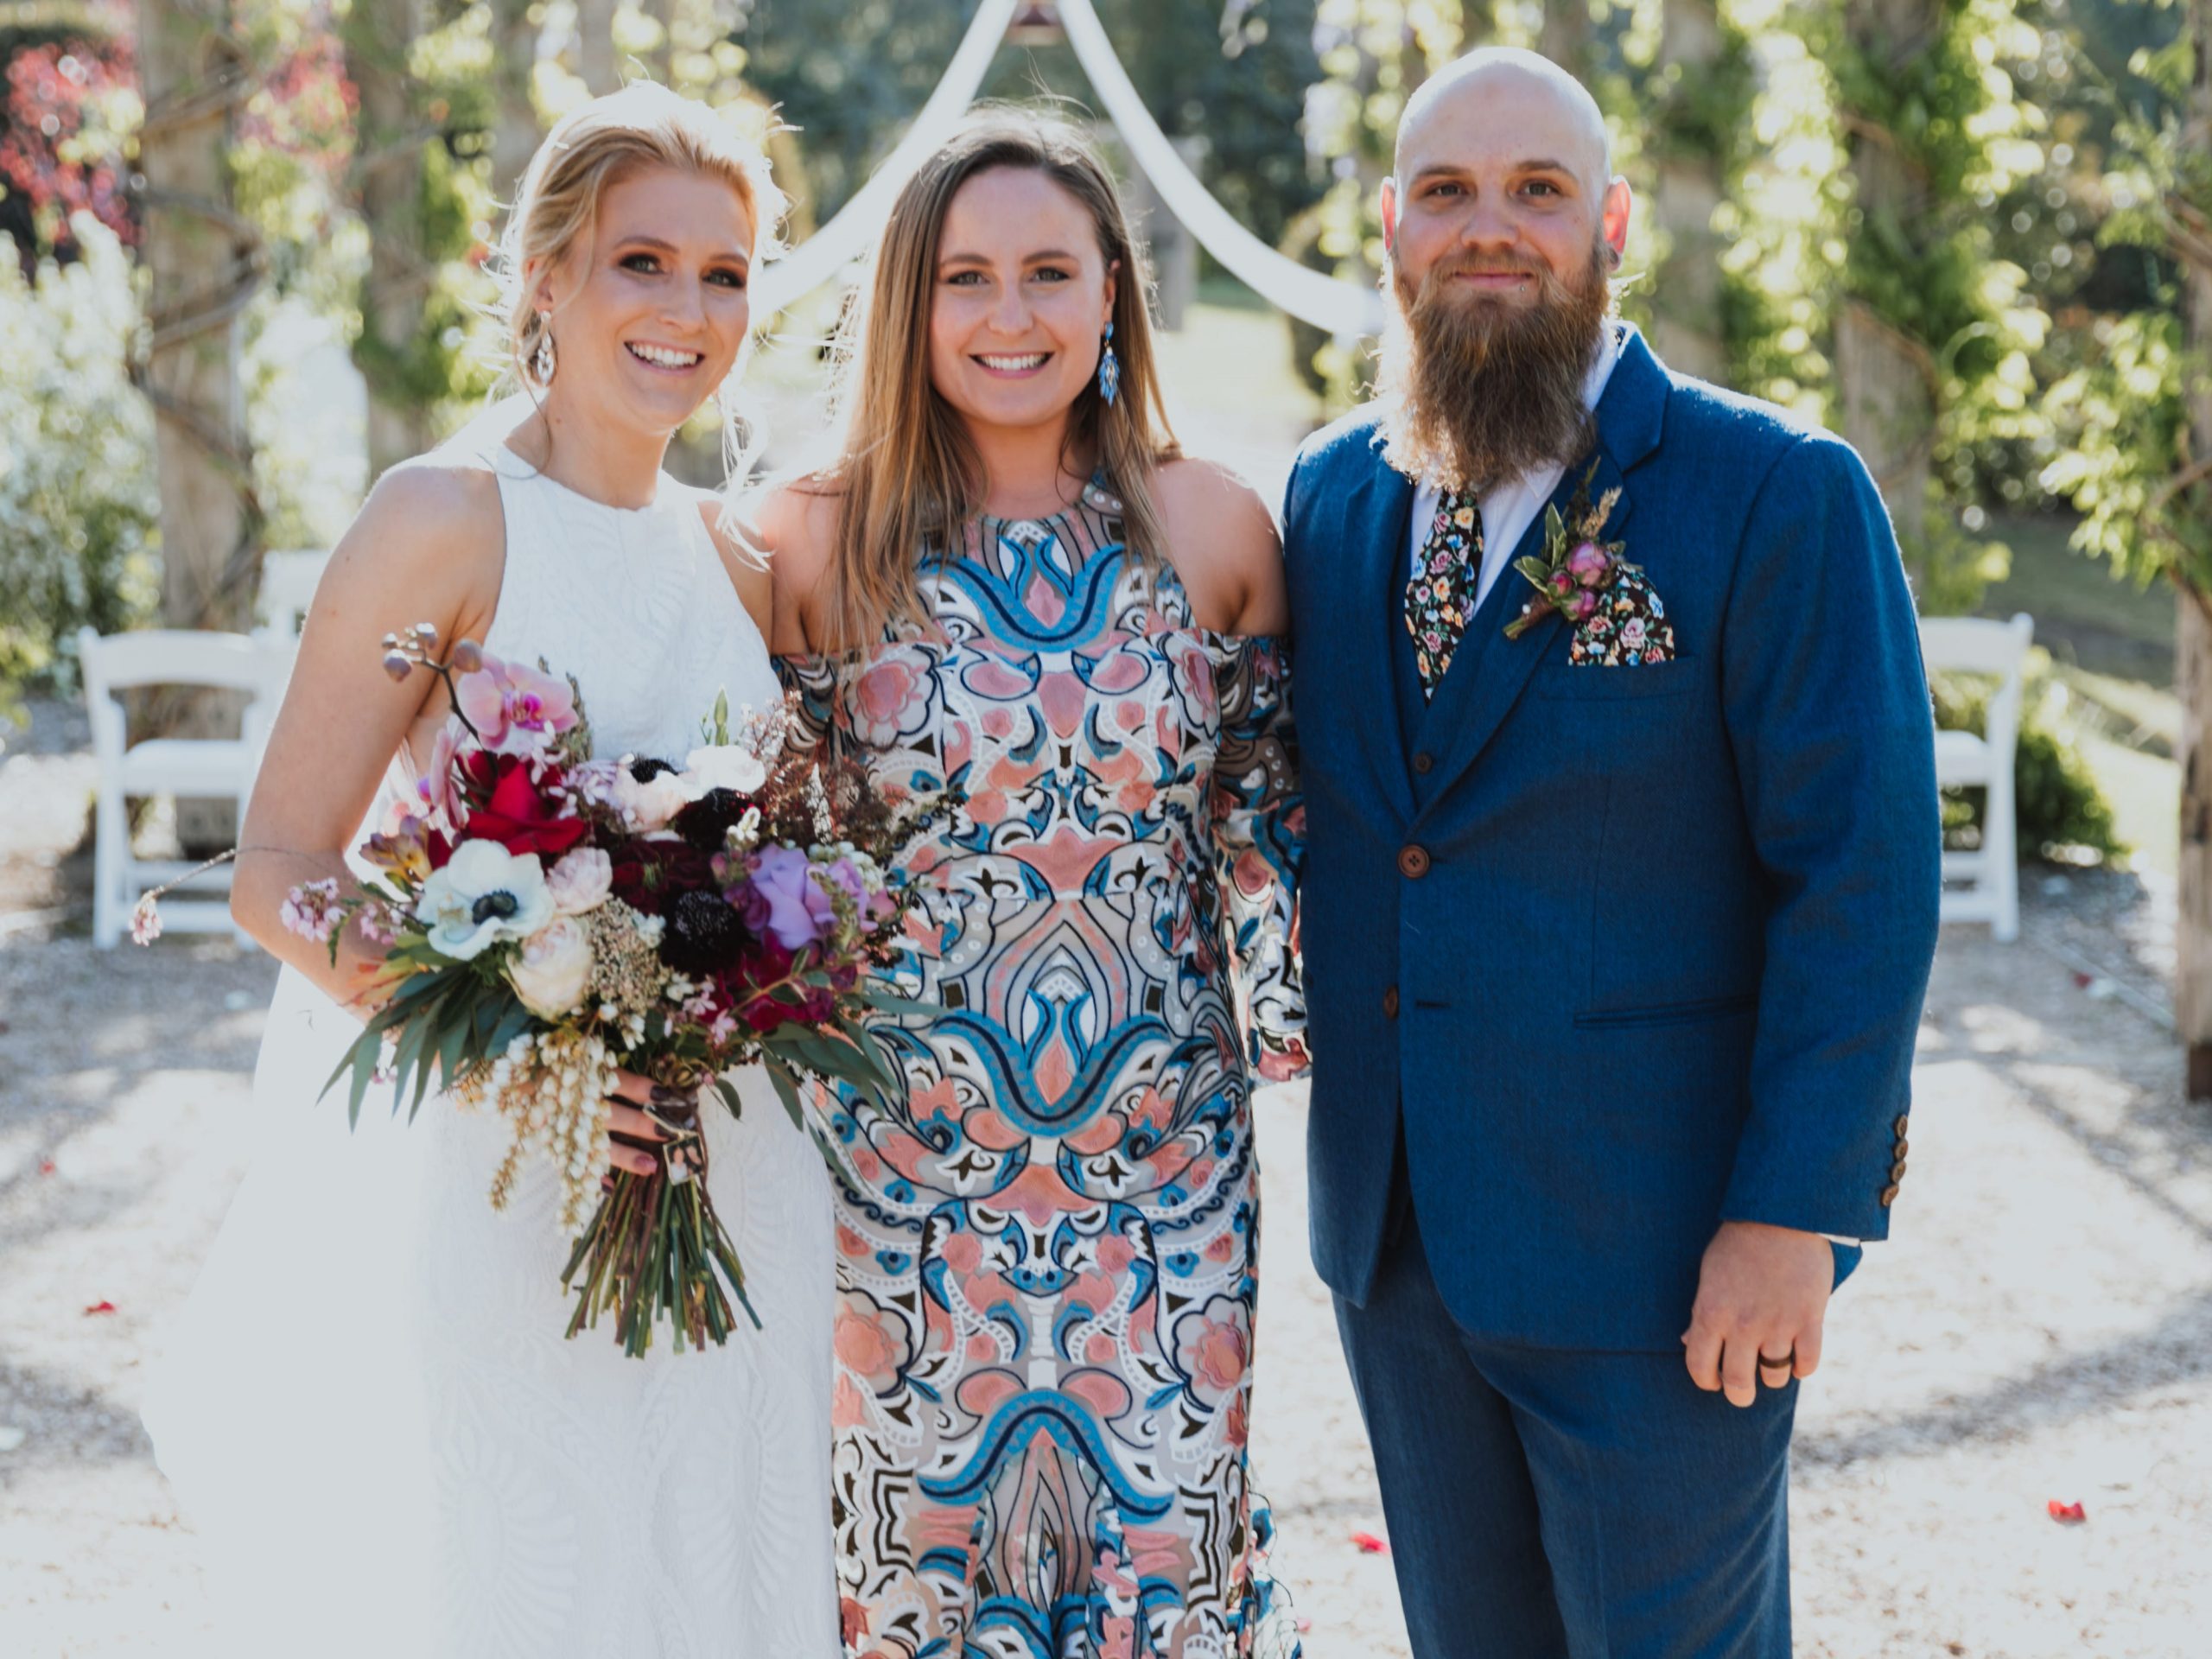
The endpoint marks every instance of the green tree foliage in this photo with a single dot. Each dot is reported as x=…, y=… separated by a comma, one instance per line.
x=2130, y=463
x=76, y=502
x=1944, y=329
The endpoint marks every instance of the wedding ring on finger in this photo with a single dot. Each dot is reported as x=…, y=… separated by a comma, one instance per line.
x=1787, y=1364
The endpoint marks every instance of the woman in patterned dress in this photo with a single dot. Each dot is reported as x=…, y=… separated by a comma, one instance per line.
x=1010, y=584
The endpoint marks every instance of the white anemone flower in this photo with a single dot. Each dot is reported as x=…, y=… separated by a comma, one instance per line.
x=483, y=895
x=723, y=765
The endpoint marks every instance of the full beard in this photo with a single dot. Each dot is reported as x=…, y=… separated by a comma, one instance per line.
x=1480, y=390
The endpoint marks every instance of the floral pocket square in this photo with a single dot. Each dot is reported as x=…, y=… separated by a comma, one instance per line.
x=1620, y=620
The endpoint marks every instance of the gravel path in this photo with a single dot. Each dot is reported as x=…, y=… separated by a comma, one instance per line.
x=2040, y=1328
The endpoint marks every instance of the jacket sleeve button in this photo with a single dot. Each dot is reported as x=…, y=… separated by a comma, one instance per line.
x=1391, y=1003
x=1889, y=1195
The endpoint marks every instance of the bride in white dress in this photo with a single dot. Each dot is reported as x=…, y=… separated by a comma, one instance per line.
x=368, y=1407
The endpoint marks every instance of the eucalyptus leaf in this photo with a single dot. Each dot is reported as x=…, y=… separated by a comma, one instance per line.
x=786, y=1088
x=727, y=1091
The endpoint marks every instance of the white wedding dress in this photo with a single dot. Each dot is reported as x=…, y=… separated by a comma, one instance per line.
x=368, y=1407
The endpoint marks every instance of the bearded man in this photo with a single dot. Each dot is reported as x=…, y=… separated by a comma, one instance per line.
x=1620, y=901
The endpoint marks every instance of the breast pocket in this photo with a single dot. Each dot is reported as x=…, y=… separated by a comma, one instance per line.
x=1563, y=682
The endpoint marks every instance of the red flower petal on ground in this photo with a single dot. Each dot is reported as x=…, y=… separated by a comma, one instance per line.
x=1369, y=1544
x=101, y=1307
x=2068, y=1513
x=46, y=1165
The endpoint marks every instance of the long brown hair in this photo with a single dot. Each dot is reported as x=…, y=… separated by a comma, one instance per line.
x=908, y=474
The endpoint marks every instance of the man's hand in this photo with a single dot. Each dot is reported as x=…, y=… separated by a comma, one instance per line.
x=1762, y=1295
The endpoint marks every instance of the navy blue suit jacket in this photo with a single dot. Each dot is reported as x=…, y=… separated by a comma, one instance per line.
x=1631, y=950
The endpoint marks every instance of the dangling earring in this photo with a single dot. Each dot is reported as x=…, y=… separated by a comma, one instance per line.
x=541, y=365
x=1110, y=368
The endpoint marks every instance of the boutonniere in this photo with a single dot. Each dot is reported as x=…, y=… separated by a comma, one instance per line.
x=1619, y=619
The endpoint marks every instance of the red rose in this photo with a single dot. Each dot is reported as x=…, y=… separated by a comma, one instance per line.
x=520, y=817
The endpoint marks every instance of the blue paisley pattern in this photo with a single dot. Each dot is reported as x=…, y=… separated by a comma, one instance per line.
x=1047, y=1254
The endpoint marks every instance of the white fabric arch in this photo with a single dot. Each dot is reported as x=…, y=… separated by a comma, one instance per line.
x=1327, y=301
x=845, y=238
x=1342, y=308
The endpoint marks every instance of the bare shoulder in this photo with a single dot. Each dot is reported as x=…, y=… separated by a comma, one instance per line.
x=1222, y=541
x=449, y=505
x=430, y=529
x=794, y=523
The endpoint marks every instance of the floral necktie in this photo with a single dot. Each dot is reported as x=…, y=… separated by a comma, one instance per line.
x=1440, y=596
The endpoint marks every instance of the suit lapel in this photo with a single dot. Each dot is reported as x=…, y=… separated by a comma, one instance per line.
x=1469, y=708
x=1378, y=508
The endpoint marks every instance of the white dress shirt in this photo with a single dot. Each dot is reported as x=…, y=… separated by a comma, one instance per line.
x=1510, y=508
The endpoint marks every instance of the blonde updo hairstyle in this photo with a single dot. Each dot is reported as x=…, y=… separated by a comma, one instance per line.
x=593, y=148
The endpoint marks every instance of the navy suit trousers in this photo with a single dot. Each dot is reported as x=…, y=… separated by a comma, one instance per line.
x=1545, y=1502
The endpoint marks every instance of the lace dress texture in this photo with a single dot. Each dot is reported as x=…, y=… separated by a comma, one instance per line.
x=1046, y=1257
x=368, y=1407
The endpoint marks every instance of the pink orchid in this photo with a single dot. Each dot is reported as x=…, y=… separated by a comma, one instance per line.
x=516, y=710
x=437, y=801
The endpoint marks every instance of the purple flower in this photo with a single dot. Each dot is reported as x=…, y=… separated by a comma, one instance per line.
x=783, y=899
x=1559, y=584
x=1589, y=565
x=1580, y=606
x=869, y=899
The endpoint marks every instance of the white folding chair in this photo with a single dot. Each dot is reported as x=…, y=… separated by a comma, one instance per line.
x=1988, y=877
x=189, y=767
x=287, y=591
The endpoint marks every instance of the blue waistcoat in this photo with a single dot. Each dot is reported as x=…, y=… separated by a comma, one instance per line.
x=1631, y=949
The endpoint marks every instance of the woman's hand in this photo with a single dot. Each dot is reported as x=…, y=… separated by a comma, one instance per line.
x=647, y=1117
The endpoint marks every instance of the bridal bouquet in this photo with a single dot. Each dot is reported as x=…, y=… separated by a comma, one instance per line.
x=547, y=917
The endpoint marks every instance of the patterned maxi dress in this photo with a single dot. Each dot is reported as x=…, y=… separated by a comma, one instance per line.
x=1046, y=1257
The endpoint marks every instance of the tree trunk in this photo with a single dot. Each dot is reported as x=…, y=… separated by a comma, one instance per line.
x=1565, y=38
x=514, y=57
x=388, y=187
x=596, y=62
x=2193, y=923
x=1686, y=321
x=1885, y=377
x=202, y=264
x=2193, y=654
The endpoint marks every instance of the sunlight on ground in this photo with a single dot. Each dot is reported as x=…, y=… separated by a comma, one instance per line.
x=2146, y=794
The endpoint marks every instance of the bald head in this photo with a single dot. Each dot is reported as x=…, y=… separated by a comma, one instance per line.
x=1499, y=92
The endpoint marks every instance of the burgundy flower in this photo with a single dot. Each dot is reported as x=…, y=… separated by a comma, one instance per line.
x=517, y=814
x=651, y=875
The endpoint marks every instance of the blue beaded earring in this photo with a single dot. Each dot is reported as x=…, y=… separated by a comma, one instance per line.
x=1110, y=368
